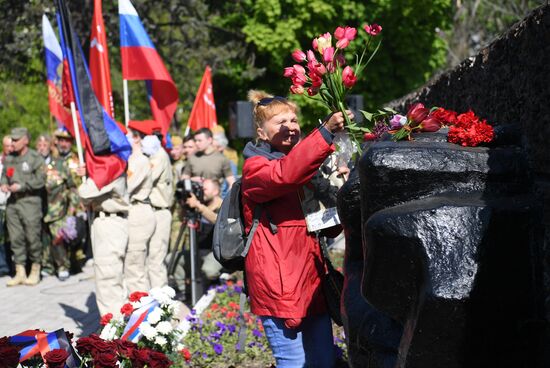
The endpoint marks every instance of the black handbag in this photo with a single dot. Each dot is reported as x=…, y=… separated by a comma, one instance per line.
x=333, y=283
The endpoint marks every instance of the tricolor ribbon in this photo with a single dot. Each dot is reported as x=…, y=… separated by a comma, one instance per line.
x=32, y=342
x=132, y=331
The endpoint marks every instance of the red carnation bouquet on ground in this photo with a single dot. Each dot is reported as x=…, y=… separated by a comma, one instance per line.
x=326, y=74
x=465, y=129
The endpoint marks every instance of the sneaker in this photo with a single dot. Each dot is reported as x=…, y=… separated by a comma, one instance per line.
x=63, y=275
x=45, y=273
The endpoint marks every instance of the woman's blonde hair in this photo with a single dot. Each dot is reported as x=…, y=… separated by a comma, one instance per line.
x=265, y=106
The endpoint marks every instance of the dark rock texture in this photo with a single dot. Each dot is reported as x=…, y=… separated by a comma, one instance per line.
x=447, y=262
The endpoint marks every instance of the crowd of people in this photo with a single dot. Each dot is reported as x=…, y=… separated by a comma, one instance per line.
x=136, y=229
x=53, y=219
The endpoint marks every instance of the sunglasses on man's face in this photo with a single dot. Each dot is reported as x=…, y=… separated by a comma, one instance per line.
x=266, y=101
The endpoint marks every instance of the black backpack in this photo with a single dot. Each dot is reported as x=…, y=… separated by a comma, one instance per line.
x=231, y=243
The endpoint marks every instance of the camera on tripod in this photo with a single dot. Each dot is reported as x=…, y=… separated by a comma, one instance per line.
x=184, y=189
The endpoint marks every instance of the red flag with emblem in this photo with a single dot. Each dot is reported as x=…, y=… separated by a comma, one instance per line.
x=99, y=61
x=203, y=114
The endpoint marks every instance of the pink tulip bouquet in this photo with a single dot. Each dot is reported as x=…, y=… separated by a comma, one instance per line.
x=327, y=75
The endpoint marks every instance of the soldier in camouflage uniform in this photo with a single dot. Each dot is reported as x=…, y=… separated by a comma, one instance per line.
x=63, y=201
x=23, y=176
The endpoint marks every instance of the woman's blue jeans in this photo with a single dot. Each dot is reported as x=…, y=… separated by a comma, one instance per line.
x=309, y=345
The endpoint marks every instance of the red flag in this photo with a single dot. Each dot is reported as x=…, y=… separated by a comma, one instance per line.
x=99, y=61
x=203, y=114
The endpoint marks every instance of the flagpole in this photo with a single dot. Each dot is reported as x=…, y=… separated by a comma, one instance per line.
x=126, y=103
x=77, y=135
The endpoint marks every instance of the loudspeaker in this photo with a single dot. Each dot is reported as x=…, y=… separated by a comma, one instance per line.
x=241, y=122
x=355, y=103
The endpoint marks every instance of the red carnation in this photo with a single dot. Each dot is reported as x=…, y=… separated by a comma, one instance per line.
x=127, y=309
x=137, y=295
x=186, y=354
x=10, y=171
x=9, y=355
x=106, y=319
x=56, y=358
x=447, y=117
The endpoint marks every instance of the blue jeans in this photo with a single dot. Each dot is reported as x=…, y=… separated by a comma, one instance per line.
x=309, y=345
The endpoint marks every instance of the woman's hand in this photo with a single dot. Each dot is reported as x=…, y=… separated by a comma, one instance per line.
x=336, y=121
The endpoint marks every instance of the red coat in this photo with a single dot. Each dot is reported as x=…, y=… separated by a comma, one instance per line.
x=283, y=270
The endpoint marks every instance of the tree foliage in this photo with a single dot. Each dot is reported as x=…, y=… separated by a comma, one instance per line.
x=247, y=43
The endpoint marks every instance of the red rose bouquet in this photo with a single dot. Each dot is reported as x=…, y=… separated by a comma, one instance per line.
x=326, y=74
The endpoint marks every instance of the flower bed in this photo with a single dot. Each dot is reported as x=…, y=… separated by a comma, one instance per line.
x=212, y=339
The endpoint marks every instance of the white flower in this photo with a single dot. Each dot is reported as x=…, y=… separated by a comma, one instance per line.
x=169, y=291
x=160, y=295
x=108, y=332
x=147, y=330
x=161, y=340
x=164, y=327
x=154, y=317
x=173, y=307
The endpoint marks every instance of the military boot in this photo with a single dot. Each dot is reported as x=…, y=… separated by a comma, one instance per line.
x=34, y=276
x=20, y=276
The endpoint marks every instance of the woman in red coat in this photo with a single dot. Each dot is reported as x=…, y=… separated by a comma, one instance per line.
x=284, y=266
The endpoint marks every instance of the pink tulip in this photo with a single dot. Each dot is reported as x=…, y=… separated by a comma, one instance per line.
x=299, y=69
x=311, y=56
x=316, y=80
x=328, y=54
x=430, y=125
x=298, y=56
x=373, y=29
x=345, y=32
x=348, y=77
x=299, y=79
x=417, y=113
x=318, y=68
x=289, y=72
x=343, y=43
x=296, y=90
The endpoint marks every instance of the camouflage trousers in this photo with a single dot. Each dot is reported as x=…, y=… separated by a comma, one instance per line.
x=23, y=218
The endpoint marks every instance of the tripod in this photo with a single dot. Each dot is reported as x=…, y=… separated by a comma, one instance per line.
x=177, y=252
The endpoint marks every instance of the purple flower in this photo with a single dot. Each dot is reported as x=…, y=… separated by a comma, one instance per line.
x=398, y=121
x=204, y=355
x=68, y=231
x=221, y=326
x=380, y=128
x=256, y=333
x=238, y=289
x=231, y=328
x=251, y=344
x=218, y=349
x=221, y=289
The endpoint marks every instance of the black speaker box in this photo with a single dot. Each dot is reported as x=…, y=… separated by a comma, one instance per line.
x=241, y=124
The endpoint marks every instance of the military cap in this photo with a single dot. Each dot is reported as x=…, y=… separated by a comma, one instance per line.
x=18, y=133
x=62, y=133
x=146, y=127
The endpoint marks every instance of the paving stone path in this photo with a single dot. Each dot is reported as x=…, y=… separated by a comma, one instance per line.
x=51, y=305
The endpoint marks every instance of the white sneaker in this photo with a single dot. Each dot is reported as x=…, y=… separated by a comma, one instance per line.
x=63, y=275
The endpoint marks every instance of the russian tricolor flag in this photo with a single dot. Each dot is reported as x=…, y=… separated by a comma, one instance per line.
x=141, y=61
x=54, y=58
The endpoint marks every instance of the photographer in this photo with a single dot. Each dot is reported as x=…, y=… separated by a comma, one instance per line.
x=208, y=209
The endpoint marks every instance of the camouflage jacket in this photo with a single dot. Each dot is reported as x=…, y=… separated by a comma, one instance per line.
x=61, y=184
